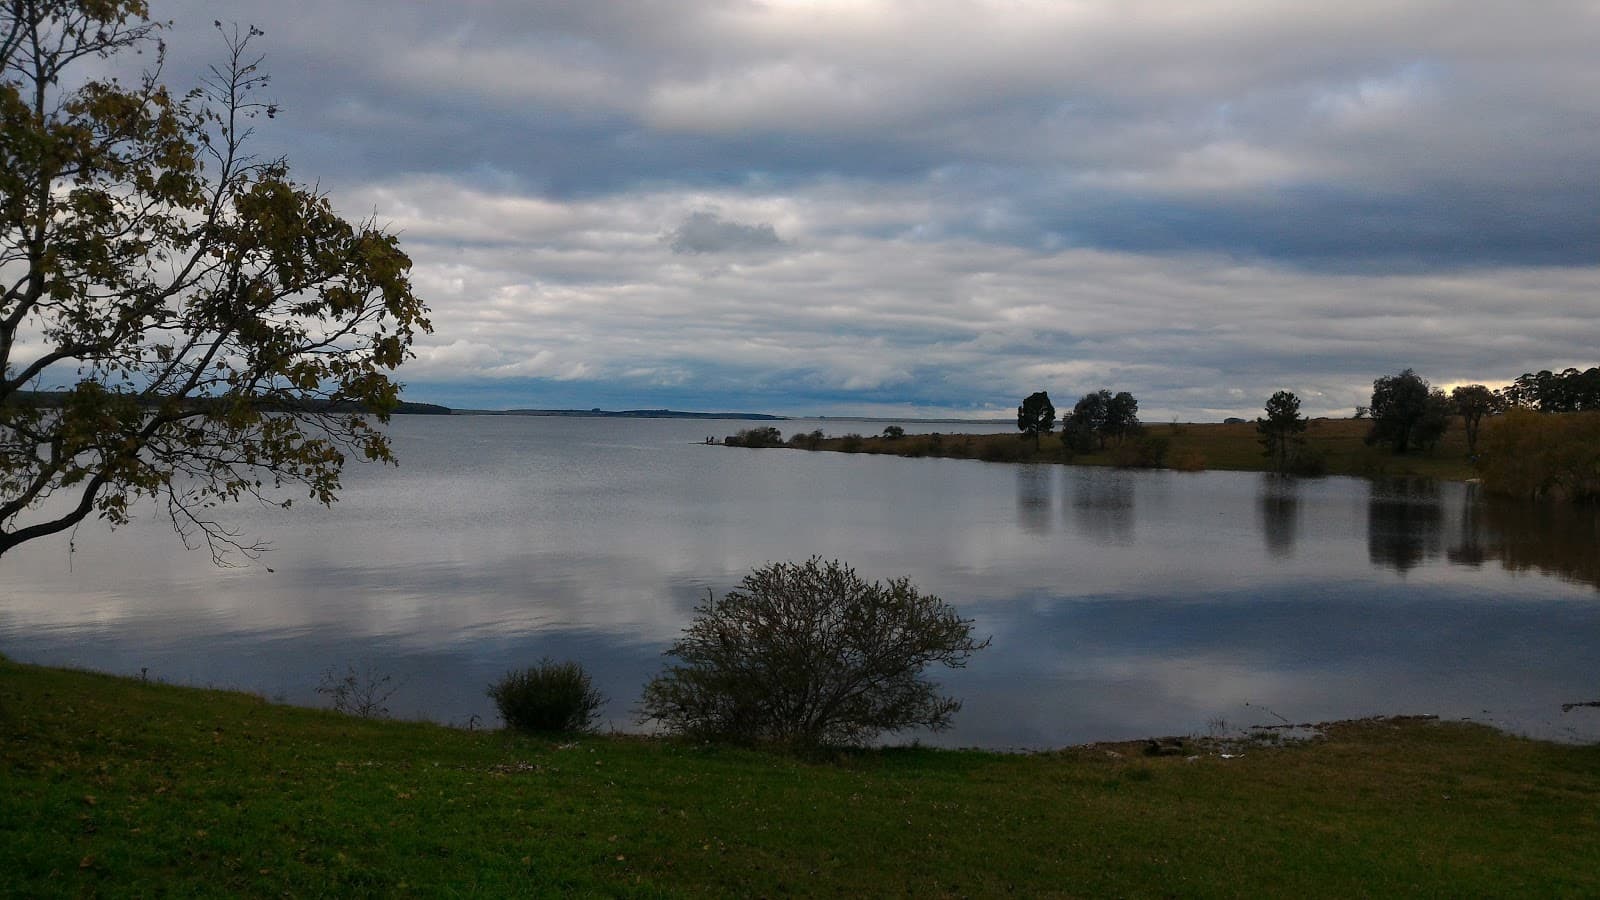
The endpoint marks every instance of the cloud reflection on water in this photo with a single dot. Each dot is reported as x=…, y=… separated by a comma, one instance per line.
x=1122, y=603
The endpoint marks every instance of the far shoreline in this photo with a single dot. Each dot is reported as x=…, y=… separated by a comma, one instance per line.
x=1338, y=446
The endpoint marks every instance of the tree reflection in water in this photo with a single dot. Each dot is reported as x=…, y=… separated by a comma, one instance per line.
x=1279, y=509
x=1034, y=484
x=1406, y=527
x=1405, y=522
x=1103, y=504
x=1560, y=539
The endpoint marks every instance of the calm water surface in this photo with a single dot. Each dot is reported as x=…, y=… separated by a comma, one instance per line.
x=1121, y=604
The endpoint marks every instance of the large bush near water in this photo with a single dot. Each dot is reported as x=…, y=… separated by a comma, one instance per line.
x=809, y=654
x=1530, y=454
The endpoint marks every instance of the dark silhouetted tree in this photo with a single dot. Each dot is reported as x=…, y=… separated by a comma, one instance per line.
x=1097, y=417
x=1280, y=431
x=1036, y=416
x=1084, y=428
x=1407, y=412
x=1472, y=402
x=1570, y=390
x=1122, y=416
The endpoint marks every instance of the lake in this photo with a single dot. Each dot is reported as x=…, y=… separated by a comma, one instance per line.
x=1121, y=604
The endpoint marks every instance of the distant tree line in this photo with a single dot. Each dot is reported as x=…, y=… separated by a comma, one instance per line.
x=1567, y=391
x=1407, y=412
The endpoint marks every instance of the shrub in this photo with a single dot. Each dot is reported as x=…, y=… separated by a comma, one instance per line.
x=1309, y=460
x=1187, y=460
x=852, y=443
x=1005, y=450
x=764, y=436
x=548, y=697
x=806, y=441
x=358, y=692
x=1142, y=453
x=1529, y=454
x=893, y=432
x=808, y=654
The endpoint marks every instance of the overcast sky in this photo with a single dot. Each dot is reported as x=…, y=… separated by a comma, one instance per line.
x=936, y=207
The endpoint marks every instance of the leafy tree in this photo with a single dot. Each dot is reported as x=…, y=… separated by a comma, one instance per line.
x=1280, y=431
x=1406, y=411
x=1122, y=416
x=179, y=320
x=1077, y=435
x=1087, y=421
x=893, y=432
x=1472, y=402
x=808, y=654
x=1098, y=416
x=1036, y=416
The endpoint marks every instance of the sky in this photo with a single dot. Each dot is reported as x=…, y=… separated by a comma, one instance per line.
x=936, y=207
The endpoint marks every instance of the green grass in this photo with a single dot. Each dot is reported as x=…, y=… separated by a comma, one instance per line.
x=1206, y=446
x=113, y=786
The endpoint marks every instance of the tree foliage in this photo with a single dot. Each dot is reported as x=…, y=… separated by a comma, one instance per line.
x=1036, y=416
x=178, y=319
x=1570, y=390
x=1122, y=416
x=1407, y=412
x=1472, y=402
x=808, y=654
x=1531, y=455
x=1281, y=429
x=1099, y=416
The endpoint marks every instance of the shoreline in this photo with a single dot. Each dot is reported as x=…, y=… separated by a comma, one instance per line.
x=1333, y=447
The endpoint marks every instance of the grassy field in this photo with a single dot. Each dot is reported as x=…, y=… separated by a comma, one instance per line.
x=1193, y=446
x=118, y=787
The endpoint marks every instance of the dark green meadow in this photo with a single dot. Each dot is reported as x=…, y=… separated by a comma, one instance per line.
x=112, y=786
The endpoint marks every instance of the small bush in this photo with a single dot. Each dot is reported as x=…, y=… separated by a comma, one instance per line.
x=893, y=432
x=358, y=692
x=548, y=697
x=852, y=443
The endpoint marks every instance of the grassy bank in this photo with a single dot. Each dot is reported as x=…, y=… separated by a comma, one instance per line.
x=116, y=786
x=1191, y=446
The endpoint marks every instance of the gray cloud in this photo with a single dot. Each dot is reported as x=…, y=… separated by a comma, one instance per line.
x=704, y=231
x=1200, y=202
